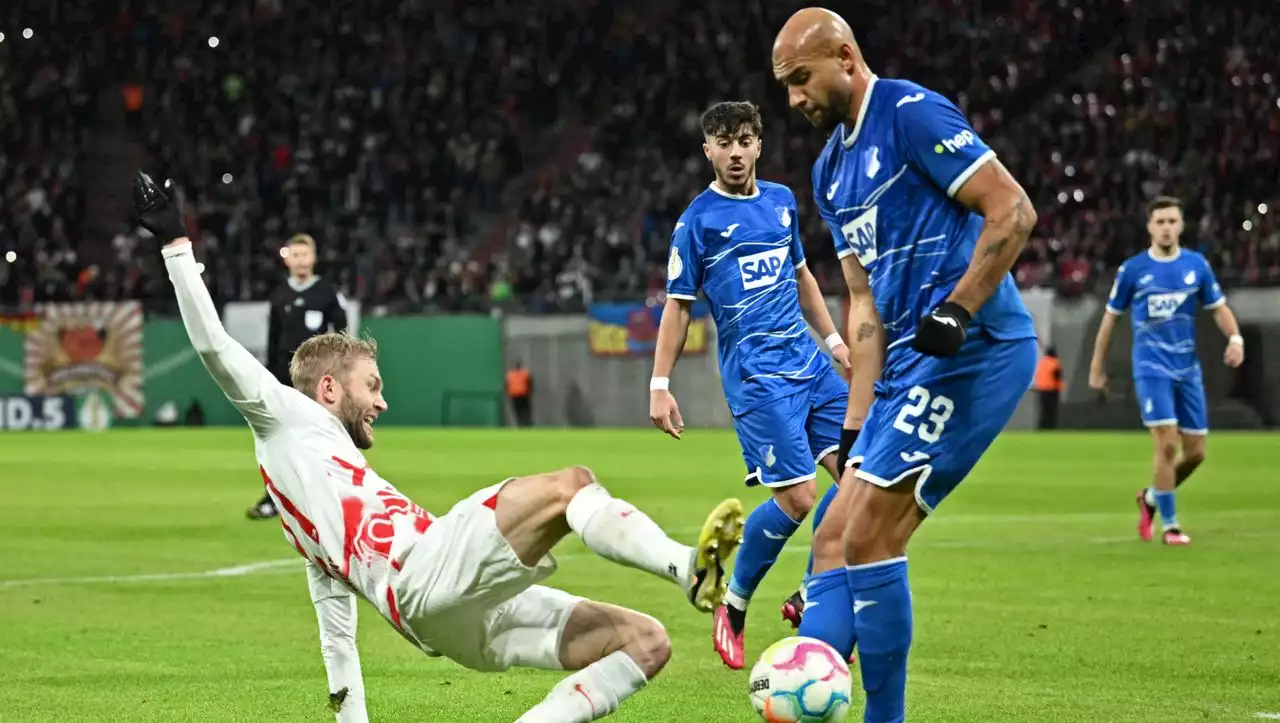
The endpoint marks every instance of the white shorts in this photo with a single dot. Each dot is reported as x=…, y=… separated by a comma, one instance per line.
x=464, y=593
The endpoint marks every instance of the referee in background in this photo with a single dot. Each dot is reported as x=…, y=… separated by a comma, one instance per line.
x=303, y=306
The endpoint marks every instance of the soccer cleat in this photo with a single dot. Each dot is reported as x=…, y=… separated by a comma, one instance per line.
x=728, y=642
x=721, y=534
x=1146, y=517
x=1174, y=536
x=793, y=609
x=262, y=511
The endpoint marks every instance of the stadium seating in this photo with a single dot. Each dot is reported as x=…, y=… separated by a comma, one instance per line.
x=459, y=156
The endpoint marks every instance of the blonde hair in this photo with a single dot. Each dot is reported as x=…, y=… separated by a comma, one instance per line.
x=304, y=239
x=330, y=354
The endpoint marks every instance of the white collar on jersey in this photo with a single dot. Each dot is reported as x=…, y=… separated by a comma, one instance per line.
x=851, y=138
x=737, y=196
x=1164, y=260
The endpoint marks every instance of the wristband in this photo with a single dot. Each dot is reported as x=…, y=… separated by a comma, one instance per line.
x=659, y=384
x=833, y=340
x=1235, y=339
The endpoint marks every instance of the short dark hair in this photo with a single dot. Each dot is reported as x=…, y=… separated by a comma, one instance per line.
x=1160, y=203
x=725, y=119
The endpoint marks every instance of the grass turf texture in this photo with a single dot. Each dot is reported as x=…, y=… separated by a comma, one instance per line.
x=1035, y=601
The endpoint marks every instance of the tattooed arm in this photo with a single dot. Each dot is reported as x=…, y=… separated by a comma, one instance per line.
x=866, y=343
x=992, y=192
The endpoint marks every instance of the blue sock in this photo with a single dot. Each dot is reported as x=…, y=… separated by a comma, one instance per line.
x=1164, y=503
x=826, y=612
x=819, y=512
x=882, y=624
x=767, y=530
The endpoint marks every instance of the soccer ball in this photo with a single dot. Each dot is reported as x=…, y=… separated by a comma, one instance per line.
x=800, y=680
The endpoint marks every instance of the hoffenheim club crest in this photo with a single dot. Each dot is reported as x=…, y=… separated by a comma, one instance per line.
x=784, y=215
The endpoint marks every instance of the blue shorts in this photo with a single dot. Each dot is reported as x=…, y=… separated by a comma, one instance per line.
x=936, y=416
x=783, y=441
x=1166, y=401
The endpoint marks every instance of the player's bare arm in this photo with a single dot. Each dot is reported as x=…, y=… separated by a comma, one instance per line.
x=816, y=314
x=1097, y=367
x=1010, y=219
x=672, y=332
x=1227, y=324
x=866, y=343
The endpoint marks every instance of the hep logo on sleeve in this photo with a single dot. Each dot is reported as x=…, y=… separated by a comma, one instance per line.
x=762, y=269
x=956, y=142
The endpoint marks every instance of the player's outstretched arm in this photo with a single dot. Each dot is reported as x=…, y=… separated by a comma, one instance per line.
x=240, y=376
x=815, y=312
x=1010, y=218
x=672, y=332
x=866, y=343
x=336, y=613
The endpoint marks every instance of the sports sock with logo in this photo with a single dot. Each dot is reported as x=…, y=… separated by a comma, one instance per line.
x=882, y=623
x=765, y=534
x=591, y=693
x=826, y=611
x=1168, y=511
x=617, y=531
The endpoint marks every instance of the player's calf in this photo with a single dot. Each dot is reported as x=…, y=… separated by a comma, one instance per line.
x=881, y=521
x=615, y=652
x=766, y=532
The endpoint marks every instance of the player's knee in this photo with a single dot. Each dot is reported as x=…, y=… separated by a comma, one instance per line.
x=570, y=481
x=1167, y=451
x=649, y=645
x=797, y=500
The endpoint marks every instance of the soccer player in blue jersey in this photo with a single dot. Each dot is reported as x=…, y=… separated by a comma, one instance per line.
x=1164, y=286
x=739, y=243
x=927, y=223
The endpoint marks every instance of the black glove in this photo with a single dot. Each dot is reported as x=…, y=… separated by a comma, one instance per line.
x=156, y=209
x=847, y=438
x=941, y=332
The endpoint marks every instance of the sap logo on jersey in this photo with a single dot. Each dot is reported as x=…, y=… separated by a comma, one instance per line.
x=1163, y=306
x=860, y=234
x=762, y=269
x=956, y=142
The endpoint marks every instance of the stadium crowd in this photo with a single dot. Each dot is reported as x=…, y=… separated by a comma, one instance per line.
x=399, y=132
x=47, y=94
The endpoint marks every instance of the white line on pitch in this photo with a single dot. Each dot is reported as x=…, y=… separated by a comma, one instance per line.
x=236, y=571
x=1268, y=716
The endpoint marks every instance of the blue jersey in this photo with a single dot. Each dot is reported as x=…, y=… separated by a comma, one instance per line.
x=743, y=253
x=1165, y=295
x=886, y=189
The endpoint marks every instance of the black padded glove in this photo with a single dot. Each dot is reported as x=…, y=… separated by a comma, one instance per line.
x=156, y=209
x=941, y=332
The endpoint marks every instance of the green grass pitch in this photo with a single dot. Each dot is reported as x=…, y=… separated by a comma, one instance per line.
x=1035, y=601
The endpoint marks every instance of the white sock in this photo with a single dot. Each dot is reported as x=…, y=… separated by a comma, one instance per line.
x=617, y=531
x=591, y=693
x=1149, y=497
x=735, y=600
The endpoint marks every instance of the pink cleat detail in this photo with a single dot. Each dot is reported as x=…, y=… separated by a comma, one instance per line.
x=1146, y=517
x=793, y=610
x=1175, y=537
x=728, y=643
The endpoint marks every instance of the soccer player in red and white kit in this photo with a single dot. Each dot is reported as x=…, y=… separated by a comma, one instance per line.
x=461, y=585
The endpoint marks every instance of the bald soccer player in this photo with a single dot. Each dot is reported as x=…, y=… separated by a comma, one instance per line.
x=926, y=224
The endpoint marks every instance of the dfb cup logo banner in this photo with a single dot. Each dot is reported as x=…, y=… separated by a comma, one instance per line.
x=82, y=348
x=632, y=329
